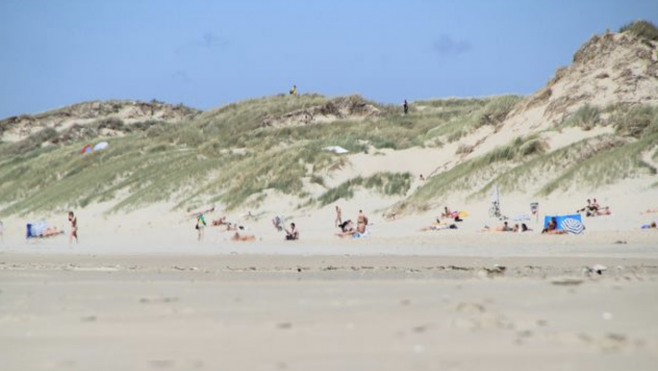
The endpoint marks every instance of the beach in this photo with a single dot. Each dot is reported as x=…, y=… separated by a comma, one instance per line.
x=74, y=308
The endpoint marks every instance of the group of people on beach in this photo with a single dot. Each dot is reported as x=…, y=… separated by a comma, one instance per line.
x=347, y=228
x=594, y=209
x=505, y=227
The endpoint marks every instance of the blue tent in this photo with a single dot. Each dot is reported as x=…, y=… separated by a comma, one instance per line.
x=560, y=218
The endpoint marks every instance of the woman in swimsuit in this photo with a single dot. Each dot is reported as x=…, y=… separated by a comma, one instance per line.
x=74, y=228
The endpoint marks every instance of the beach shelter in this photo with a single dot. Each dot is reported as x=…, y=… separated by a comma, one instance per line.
x=86, y=149
x=562, y=218
x=572, y=226
x=495, y=195
x=101, y=145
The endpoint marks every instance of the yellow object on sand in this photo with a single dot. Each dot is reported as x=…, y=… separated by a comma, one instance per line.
x=463, y=214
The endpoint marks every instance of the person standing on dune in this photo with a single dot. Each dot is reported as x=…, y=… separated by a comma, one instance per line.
x=74, y=227
x=405, y=106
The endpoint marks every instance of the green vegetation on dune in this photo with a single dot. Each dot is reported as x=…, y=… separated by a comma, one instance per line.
x=385, y=183
x=469, y=174
x=238, y=153
x=224, y=155
x=641, y=28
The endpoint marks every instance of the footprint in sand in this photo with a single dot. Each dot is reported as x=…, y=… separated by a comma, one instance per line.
x=158, y=300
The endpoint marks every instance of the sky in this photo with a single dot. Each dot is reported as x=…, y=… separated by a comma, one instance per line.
x=205, y=54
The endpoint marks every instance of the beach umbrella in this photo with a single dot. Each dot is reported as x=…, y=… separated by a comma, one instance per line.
x=495, y=196
x=572, y=226
x=101, y=145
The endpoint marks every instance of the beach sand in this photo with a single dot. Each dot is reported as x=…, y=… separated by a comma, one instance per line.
x=82, y=310
x=141, y=293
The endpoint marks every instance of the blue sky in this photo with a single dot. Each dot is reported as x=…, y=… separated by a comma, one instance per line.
x=209, y=53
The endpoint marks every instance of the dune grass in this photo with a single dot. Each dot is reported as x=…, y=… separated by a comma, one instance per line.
x=227, y=155
x=385, y=183
x=641, y=28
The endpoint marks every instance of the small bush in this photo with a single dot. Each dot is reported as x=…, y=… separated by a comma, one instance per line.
x=635, y=121
x=586, y=117
x=641, y=28
x=386, y=183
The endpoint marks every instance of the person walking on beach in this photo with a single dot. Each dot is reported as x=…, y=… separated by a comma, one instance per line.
x=406, y=107
x=74, y=228
x=339, y=216
x=200, y=225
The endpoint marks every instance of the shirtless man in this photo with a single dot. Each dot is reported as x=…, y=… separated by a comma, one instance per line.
x=339, y=216
x=74, y=228
x=362, y=219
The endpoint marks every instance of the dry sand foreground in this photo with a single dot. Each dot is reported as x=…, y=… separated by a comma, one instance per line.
x=81, y=311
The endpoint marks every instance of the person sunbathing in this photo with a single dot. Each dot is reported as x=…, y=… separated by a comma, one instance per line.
x=551, y=228
x=247, y=237
x=346, y=226
x=50, y=232
x=218, y=222
x=503, y=228
x=446, y=213
x=438, y=227
x=524, y=228
x=360, y=231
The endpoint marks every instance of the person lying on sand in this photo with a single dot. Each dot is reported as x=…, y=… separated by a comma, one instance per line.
x=220, y=221
x=524, y=228
x=234, y=227
x=346, y=226
x=50, y=232
x=650, y=211
x=360, y=231
x=439, y=227
x=247, y=237
x=649, y=226
x=293, y=233
x=503, y=228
